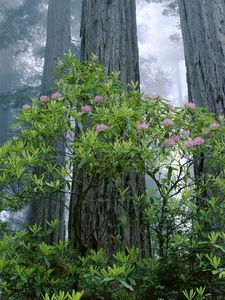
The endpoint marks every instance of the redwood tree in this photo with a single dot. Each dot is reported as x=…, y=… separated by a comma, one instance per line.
x=57, y=43
x=108, y=30
x=202, y=24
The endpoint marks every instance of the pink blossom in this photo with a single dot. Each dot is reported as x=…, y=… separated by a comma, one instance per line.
x=188, y=143
x=198, y=141
x=86, y=109
x=142, y=126
x=26, y=107
x=56, y=95
x=185, y=133
x=98, y=99
x=191, y=106
x=169, y=143
x=214, y=126
x=44, y=99
x=175, y=138
x=168, y=122
x=101, y=127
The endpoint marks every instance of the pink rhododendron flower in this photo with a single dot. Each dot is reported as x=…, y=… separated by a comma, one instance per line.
x=98, y=99
x=191, y=106
x=169, y=143
x=188, y=143
x=185, y=133
x=56, y=95
x=86, y=109
x=101, y=127
x=168, y=122
x=44, y=99
x=142, y=126
x=175, y=138
x=214, y=126
x=26, y=107
x=198, y=141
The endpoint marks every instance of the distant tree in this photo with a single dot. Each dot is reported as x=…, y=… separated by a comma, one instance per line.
x=18, y=23
x=170, y=6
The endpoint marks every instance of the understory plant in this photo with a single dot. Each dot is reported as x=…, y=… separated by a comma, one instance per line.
x=109, y=129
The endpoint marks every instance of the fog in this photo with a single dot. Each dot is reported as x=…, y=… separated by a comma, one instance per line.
x=162, y=63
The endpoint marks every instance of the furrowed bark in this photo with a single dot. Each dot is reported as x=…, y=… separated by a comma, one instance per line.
x=57, y=44
x=202, y=24
x=108, y=30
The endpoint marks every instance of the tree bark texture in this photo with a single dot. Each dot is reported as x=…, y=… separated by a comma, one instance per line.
x=6, y=62
x=203, y=29
x=108, y=30
x=57, y=43
x=58, y=40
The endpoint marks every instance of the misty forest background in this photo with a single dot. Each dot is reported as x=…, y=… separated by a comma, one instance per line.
x=147, y=220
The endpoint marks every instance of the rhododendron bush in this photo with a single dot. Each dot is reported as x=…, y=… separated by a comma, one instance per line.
x=108, y=128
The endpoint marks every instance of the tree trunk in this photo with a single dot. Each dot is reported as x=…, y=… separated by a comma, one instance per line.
x=58, y=40
x=108, y=30
x=57, y=43
x=202, y=24
x=6, y=62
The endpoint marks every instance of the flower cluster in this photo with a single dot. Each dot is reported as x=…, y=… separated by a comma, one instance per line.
x=198, y=141
x=185, y=133
x=101, y=127
x=191, y=106
x=26, y=107
x=170, y=142
x=44, y=99
x=86, y=109
x=168, y=122
x=98, y=99
x=142, y=126
x=56, y=96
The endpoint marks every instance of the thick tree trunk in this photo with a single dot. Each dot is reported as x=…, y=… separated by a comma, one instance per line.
x=108, y=30
x=6, y=62
x=203, y=29
x=57, y=43
x=202, y=24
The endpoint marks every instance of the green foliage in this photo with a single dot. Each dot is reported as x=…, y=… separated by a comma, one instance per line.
x=29, y=267
x=121, y=130
x=65, y=296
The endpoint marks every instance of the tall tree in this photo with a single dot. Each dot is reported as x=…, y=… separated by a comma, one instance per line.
x=108, y=29
x=17, y=22
x=58, y=40
x=57, y=43
x=202, y=24
x=6, y=62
